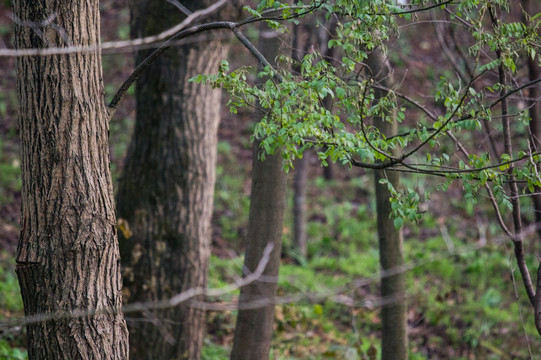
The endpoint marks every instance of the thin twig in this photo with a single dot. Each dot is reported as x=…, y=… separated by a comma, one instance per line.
x=132, y=44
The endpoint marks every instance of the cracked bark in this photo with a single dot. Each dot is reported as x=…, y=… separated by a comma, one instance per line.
x=167, y=187
x=67, y=258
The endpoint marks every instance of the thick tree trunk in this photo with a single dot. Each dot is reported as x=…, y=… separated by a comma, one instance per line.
x=166, y=190
x=67, y=259
x=253, y=332
x=394, y=341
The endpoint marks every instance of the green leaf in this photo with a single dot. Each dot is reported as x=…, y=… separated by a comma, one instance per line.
x=398, y=222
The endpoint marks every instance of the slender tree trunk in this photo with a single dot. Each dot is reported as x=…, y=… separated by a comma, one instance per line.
x=67, y=258
x=324, y=34
x=304, y=37
x=166, y=191
x=253, y=332
x=394, y=342
x=535, y=121
x=299, y=204
x=301, y=43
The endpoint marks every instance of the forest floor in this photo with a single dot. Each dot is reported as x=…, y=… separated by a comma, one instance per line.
x=464, y=293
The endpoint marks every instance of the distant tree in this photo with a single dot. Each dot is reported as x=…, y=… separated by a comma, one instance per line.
x=301, y=42
x=311, y=34
x=166, y=190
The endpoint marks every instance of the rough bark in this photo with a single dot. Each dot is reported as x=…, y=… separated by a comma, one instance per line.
x=67, y=258
x=253, y=332
x=394, y=342
x=166, y=190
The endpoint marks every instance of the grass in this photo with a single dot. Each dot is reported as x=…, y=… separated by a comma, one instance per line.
x=461, y=296
x=10, y=174
x=462, y=304
x=11, y=343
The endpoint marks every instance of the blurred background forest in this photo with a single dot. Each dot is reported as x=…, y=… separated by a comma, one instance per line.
x=465, y=298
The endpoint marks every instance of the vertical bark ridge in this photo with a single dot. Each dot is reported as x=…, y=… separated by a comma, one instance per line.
x=166, y=191
x=68, y=258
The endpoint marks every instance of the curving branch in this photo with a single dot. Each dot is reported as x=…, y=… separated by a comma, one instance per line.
x=159, y=51
x=217, y=25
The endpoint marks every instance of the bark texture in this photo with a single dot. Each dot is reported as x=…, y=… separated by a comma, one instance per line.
x=67, y=258
x=394, y=341
x=166, y=190
x=253, y=332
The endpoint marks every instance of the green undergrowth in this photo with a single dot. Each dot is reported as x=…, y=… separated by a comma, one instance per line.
x=10, y=174
x=461, y=293
x=11, y=308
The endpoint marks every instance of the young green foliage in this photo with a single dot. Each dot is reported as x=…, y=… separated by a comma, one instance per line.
x=295, y=119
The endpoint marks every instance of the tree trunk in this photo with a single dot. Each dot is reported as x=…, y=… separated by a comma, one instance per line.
x=306, y=36
x=535, y=121
x=166, y=191
x=299, y=205
x=301, y=44
x=394, y=342
x=324, y=35
x=253, y=332
x=67, y=258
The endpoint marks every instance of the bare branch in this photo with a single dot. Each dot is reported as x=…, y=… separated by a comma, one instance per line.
x=334, y=294
x=151, y=305
x=132, y=44
x=181, y=7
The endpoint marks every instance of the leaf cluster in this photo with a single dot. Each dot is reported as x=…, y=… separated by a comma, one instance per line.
x=296, y=116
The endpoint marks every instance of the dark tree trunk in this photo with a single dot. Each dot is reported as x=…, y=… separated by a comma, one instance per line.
x=535, y=121
x=67, y=258
x=394, y=341
x=253, y=332
x=166, y=191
